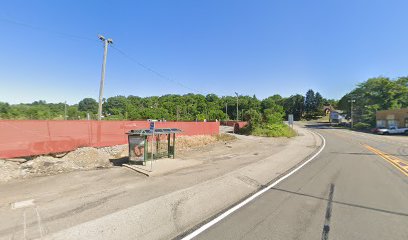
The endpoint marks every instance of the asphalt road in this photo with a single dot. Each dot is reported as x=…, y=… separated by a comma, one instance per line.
x=357, y=188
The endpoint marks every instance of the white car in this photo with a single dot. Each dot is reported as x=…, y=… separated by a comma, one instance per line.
x=392, y=130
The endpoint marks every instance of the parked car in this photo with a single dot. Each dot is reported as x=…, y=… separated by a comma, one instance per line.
x=392, y=130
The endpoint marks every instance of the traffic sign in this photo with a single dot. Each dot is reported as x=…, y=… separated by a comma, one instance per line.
x=290, y=119
x=152, y=126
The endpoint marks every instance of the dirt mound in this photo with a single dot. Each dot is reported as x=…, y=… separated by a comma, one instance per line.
x=80, y=159
x=9, y=170
x=87, y=158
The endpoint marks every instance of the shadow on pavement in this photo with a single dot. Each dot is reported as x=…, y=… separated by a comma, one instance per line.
x=119, y=161
x=344, y=203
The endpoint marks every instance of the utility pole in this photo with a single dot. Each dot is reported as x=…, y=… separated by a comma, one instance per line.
x=226, y=111
x=351, y=101
x=65, y=110
x=106, y=42
x=237, y=107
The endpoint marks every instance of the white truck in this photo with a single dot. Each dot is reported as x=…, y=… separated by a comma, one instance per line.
x=336, y=117
x=392, y=130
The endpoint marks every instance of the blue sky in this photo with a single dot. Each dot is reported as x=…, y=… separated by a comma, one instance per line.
x=212, y=46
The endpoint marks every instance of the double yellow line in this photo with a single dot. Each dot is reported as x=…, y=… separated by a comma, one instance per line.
x=396, y=162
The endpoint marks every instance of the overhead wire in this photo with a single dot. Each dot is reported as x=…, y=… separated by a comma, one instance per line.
x=73, y=36
x=26, y=25
x=154, y=71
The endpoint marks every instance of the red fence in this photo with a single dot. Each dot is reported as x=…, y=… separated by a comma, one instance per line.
x=28, y=137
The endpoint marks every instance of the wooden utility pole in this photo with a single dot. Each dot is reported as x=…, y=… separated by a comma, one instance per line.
x=106, y=42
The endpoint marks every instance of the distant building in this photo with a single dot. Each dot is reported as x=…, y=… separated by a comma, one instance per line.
x=392, y=118
x=327, y=110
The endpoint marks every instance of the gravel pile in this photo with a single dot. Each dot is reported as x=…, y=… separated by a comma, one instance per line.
x=9, y=170
x=117, y=151
x=85, y=158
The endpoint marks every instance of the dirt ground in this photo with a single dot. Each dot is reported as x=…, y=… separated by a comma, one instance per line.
x=88, y=158
x=71, y=198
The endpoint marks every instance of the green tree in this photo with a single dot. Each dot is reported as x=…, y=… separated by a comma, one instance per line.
x=116, y=106
x=274, y=115
x=253, y=117
x=295, y=105
x=318, y=104
x=310, y=103
x=375, y=94
x=4, y=110
x=88, y=105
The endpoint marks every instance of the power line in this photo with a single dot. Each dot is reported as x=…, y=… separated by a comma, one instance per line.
x=26, y=25
x=154, y=71
x=78, y=37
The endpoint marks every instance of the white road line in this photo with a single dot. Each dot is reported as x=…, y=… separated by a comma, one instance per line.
x=24, y=225
x=39, y=222
x=22, y=204
x=249, y=199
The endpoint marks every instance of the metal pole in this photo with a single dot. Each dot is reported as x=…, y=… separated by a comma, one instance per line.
x=174, y=145
x=106, y=42
x=168, y=145
x=237, y=107
x=351, y=112
x=226, y=111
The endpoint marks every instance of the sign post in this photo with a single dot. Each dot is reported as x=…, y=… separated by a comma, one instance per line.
x=152, y=127
x=290, y=120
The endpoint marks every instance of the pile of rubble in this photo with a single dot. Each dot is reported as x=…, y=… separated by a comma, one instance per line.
x=80, y=159
x=85, y=158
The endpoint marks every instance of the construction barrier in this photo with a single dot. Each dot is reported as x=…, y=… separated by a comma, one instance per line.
x=19, y=138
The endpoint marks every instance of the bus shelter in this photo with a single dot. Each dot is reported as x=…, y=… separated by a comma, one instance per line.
x=147, y=144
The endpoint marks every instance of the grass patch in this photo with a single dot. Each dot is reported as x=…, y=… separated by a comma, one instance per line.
x=269, y=130
x=223, y=137
x=361, y=126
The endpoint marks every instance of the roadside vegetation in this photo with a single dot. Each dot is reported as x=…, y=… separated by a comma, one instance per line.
x=267, y=123
x=380, y=93
x=375, y=94
x=188, y=107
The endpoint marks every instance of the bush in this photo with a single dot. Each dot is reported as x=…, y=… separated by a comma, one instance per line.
x=361, y=126
x=274, y=130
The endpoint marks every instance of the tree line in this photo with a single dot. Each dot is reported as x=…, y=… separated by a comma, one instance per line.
x=188, y=107
x=379, y=93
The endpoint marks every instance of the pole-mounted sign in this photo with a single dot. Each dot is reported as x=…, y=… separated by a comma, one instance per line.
x=290, y=119
x=152, y=126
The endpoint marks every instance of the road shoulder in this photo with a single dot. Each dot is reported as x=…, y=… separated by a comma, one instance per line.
x=169, y=215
